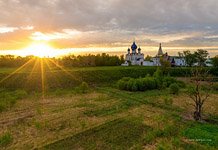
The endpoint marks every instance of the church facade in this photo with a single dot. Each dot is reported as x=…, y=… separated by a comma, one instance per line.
x=136, y=57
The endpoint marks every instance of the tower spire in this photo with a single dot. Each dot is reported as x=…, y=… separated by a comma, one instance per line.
x=160, y=51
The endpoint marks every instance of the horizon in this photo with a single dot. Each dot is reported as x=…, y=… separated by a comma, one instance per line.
x=146, y=50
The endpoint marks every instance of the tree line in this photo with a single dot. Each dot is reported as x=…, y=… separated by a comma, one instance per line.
x=198, y=58
x=67, y=61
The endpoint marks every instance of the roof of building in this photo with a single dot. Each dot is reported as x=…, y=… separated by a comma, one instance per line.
x=134, y=46
x=160, y=51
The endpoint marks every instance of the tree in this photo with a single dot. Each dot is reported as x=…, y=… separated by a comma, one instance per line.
x=165, y=64
x=148, y=58
x=122, y=60
x=196, y=93
x=201, y=56
x=190, y=58
x=215, y=61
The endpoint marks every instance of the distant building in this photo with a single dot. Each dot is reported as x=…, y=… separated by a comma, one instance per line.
x=137, y=58
x=160, y=51
x=134, y=56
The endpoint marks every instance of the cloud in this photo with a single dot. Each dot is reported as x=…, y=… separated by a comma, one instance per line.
x=66, y=34
x=111, y=22
x=27, y=28
x=7, y=29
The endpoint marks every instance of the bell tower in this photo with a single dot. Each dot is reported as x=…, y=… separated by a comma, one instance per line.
x=160, y=51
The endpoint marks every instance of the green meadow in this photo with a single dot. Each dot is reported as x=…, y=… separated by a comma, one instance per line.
x=49, y=108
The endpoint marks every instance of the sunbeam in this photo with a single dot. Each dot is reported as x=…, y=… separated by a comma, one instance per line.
x=50, y=68
x=42, y=77
x=19, y=69
x=62, y=68
x=34, y=68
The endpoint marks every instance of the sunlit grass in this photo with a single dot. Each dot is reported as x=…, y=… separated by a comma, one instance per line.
x=19, y=69
x=39, y=68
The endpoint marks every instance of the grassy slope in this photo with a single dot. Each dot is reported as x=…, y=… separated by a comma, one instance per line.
x=105, y=118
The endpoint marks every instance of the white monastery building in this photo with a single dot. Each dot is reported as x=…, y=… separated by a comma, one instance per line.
x=136, y=57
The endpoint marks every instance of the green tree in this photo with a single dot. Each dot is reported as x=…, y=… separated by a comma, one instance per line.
x=190, y=58
x=148, y=58
x=165, y=64
x=122, y=60
x=215, y=61
x=201, y=56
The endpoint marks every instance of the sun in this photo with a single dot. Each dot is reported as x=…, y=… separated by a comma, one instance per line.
x=40, y=50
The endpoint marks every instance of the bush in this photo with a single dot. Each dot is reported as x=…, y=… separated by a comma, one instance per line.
x=141, y=84
x=21, y=94
x=181, y=84
x=7, y=100
x=123, y=83
x=215, y=86
x=168, y=81
x=168, y=101
x=82, y=88
x=130, y=84
x=158, y=76
x=5, y=139
x=134, y=86
x=150, y=83
x=174, y=88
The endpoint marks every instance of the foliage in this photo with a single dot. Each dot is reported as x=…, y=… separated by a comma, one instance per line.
x=190, y=58
x=203, y=133
x=174, y=88
x=199, y=56
x=196, y=93
x=13, y=61
x=73, y=77
x=169, y=80
x=83, y=88
x=165, y=64
x=116, y=134
x=91, y=60
x=158, y=75
x=67, y=61
x=141, y=84
x=215, y=87
x=148, y=58
x=21, y=94
x=168, y=101
x=5, y=139
x=9, y=98
x=215, y=61
x=158, y=81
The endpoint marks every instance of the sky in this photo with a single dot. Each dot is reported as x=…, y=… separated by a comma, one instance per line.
x=108, y=23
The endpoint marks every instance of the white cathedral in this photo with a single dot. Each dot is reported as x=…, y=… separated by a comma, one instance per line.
x=135, y=57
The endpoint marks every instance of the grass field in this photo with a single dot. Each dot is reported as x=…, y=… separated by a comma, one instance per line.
x=104, y=118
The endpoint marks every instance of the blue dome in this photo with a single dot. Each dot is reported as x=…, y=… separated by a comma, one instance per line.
x=134, y=46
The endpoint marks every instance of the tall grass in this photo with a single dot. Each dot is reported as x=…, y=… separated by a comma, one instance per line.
x=9, y=98
x=5, y=139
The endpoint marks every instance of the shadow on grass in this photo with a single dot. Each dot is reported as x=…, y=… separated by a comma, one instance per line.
x=128, y=100
x=117, y=134
x=203, y=133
